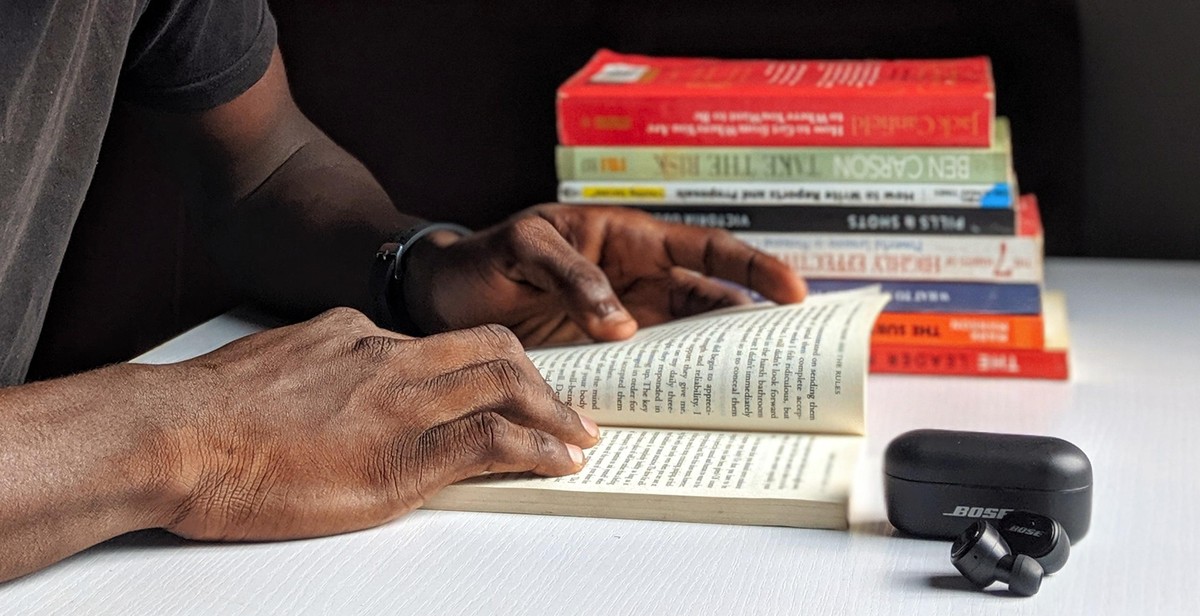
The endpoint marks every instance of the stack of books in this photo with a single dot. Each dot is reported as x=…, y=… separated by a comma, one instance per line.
x=854, y=172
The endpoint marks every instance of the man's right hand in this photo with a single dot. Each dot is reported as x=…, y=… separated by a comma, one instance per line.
x=334, y=425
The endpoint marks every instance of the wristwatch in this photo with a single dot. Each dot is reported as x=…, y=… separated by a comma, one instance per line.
x=387, y=275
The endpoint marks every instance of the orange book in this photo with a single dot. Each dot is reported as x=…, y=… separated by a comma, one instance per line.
x=1005, y=331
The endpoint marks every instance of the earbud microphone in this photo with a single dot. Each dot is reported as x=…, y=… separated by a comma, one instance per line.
x=1038, y=536
x=983, y=557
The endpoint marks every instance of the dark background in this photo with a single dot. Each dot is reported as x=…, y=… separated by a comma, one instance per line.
x=451, y=105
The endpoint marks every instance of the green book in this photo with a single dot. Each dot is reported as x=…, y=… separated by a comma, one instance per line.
x=791, y=164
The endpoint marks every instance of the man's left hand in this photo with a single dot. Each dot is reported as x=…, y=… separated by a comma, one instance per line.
x=558, y=273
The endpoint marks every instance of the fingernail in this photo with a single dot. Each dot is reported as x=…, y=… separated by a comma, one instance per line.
x=620, y=316
x=576, y=454
x=590, y=426
x=612, y=312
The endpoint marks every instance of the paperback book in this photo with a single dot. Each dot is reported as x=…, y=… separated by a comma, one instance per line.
x=842, y=256
x=841, y=219
x=930, y=165
x=747, y=416
x=619, y=99
x=990, y=195
x=945, y=297
x=996, y=331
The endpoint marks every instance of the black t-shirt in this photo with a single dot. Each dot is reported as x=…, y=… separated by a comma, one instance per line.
x=62, y=65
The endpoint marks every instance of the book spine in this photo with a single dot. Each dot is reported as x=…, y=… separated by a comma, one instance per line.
x=996, y=331
x=866, y=165
x=906, y=257
x=996, y=195
x=946, y=297
x=906, y=120
x=841, y=219
x=1019, y=363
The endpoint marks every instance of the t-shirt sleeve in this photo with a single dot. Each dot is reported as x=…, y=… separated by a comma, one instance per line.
x=191, y=55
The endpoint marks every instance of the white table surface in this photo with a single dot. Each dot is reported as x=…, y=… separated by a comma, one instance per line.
x=1133, y=404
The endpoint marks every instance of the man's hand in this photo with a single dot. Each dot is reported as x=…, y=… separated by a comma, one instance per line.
x=328, y=426
x=308, y=219
x=558, y=273
x=334, y=425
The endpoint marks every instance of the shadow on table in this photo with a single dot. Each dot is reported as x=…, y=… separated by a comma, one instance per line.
x=882, y=528
x=961, y=584
x=145, y=539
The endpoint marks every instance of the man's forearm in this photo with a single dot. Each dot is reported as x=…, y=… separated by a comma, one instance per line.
x=295, y=219
x=83, y=459
x=304, y=239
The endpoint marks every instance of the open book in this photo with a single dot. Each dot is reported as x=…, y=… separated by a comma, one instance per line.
x=746, y=416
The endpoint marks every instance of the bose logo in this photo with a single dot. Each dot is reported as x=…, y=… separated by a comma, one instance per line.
x=983, y=513
x=1025, y=530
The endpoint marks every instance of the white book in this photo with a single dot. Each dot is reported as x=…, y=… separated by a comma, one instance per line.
x=745, y=416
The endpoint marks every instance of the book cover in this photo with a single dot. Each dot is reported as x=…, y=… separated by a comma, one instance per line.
x=945, y=297
x=842, y=256
x=603, y=192
x=961, y=165
x=999, y=331
x=618, y=99
x=841, y=219
x=1052, y=361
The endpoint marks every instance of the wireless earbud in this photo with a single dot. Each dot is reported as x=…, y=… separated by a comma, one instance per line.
x=1038, y=536
x=983, y=557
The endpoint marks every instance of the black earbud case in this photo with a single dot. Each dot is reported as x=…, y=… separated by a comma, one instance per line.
x=939, y=482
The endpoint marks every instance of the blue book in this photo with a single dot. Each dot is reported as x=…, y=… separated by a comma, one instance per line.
x=965, y=297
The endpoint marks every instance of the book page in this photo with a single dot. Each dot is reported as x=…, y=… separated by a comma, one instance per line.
x=686, y=475
x=710, y=462
x=790, y=368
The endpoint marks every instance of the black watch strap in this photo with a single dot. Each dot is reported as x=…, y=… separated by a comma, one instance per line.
x=387, y=273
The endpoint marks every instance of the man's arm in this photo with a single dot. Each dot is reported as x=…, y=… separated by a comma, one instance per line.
x=84, y=459
x=306, y=219
x=295, y=220
x=324, y=427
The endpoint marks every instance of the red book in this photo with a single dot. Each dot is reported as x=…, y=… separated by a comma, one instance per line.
x=621, y=99
x=973, y=361
x=1052, y=361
